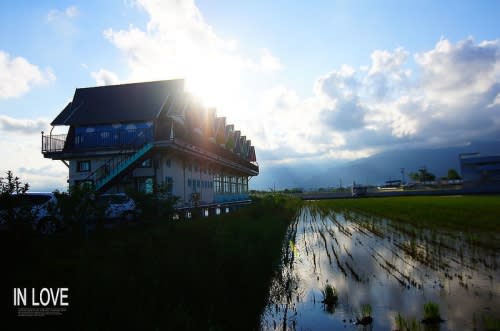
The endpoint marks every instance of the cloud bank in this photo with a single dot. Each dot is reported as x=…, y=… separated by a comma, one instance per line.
x=23, y=126
x=446, y=95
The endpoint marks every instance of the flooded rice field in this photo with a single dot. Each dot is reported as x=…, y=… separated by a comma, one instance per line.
x=380, y=268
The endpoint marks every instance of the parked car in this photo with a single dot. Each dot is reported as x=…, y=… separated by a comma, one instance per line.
x=35, y=207
x=118, y=206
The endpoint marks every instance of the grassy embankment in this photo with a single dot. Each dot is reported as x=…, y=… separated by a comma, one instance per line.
x=206, y=274
x=477, y=216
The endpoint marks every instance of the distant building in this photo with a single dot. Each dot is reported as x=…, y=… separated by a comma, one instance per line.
x=138, y=136
x=391, y=185
x=480, y=172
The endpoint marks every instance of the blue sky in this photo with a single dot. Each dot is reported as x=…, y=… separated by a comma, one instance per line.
x=306, y=81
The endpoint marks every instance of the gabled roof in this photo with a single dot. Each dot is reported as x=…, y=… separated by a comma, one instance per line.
x=119, y=103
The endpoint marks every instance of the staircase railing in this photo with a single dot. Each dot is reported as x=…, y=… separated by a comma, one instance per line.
x=116, y=166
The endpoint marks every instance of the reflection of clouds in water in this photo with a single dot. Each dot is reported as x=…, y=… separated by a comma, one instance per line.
x=373, y=250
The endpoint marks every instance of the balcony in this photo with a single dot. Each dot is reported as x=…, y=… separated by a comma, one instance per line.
x=88, y=141
x=84, y=141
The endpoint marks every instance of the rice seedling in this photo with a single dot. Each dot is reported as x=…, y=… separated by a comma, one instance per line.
x=490, y=323
x=366, y=315
x=330, y=296
x=407, y=324
x=431, y=313
x=433, y=213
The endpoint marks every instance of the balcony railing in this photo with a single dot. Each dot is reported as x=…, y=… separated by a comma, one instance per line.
x=53, y=143
x=113, y=138
x=117, y=139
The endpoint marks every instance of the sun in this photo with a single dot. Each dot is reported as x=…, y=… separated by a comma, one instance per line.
x=216, y=86
x=208, y=91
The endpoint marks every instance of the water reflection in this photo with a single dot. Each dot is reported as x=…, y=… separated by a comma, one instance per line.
x=393, y=267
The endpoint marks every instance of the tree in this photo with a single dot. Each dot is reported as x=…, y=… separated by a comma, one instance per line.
x=453, y=174
x=422, y=175
x=14, y=217
x=11, y=184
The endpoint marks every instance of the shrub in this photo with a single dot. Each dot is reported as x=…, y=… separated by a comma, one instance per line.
x=77, y=207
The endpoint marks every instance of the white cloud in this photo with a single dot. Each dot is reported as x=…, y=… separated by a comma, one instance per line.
x=496, y=102
x=68, y=13
x=268, y=62
x=385, y=61
x=105, y=77
x=18, y=76
x=454, y=74
x=452, y=97
x=71, y=11
x=179, y=43
x=63, y=21
x=25, y=126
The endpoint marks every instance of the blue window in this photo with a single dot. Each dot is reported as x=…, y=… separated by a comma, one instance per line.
x=189, y=182
x=83, y=166
x=168, y=163
x=198, y=183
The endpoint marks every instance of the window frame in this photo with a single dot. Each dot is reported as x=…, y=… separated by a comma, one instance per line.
x=82, y=162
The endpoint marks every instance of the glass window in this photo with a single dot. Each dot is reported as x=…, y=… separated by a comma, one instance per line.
x=83, y=166
x=168, y=163
x=145, y=184
x=146, y=164
x=169, y=181
x=85, y=182
x=189, y=182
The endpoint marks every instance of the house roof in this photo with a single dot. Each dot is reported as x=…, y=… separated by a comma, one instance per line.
x=119, y=103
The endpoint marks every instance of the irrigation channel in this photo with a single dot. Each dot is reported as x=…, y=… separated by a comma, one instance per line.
x=391, y=266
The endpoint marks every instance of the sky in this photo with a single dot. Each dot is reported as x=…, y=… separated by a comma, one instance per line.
x=315, y=81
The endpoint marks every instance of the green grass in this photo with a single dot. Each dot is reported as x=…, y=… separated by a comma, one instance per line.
x=208, y=274
x=462, y=213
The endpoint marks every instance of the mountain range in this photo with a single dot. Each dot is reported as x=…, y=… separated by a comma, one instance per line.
x=373, y=170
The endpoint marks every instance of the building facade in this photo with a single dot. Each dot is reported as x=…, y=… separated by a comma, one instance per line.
x=480, y=172
x=148, y=136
